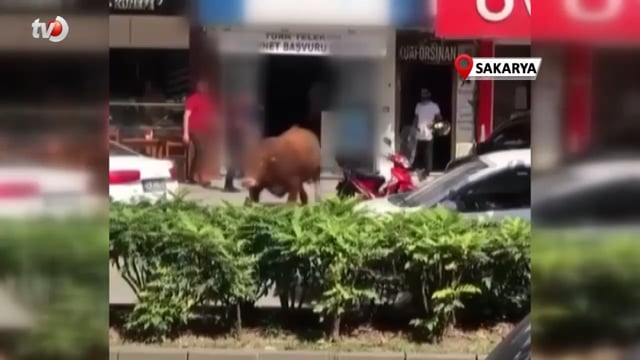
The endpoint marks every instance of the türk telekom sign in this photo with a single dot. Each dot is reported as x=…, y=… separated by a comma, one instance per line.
x=585, y=20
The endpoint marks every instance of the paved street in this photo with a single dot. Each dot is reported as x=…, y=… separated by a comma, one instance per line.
x=216, y=195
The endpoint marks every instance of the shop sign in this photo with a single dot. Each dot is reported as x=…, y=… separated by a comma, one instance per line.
x=416, y=46
x=148, y=7
x=433, y=53
x=297, y=44
x=561, y=20
x=311, y=44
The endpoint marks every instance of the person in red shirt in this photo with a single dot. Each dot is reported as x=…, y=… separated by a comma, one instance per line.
x=199, y=130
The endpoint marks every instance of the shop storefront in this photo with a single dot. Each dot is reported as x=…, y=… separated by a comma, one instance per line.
x=332, y=69
x=497, y=100
x=580, y=95
x=423, y=61
x=149, y=62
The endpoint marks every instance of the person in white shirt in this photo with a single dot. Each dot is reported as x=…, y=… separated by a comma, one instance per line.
x=426, y=114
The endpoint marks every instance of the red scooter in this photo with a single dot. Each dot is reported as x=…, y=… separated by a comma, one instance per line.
x=372, y=185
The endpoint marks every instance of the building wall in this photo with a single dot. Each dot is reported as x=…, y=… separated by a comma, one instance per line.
x=387, y=107
x=380, y=16
x=369, y=13
x=548, y=113
x=498, y=100
x=578, y=73
x=510, y=96
x=148, y=31
x=241, y=39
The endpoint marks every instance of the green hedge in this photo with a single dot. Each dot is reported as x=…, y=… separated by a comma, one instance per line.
x=61, y=279
x=586, y=287
x=179, y=256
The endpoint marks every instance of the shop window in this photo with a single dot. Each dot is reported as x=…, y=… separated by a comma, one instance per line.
x=141, y=80
x=616, y=99
x=510, y=96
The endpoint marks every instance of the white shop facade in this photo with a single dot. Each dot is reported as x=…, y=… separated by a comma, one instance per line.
x=333, y=69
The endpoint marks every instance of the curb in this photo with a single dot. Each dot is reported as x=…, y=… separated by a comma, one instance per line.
x=144, y=353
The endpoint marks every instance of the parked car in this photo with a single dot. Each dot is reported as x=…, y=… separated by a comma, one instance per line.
x=597, y=192
x=35, y=190
x=492, y=186
x=134, y=177
x=513, y=134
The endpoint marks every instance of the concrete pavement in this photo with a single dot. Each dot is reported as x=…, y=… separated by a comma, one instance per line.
x=155, y=353
x=215, y=195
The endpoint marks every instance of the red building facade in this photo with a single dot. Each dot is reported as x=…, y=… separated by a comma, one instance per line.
x=580, y=30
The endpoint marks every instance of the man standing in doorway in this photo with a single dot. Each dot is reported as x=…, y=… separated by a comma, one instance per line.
x=199, y=131
x=425, y=116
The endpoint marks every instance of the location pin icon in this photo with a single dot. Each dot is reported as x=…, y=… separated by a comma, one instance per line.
x=463, y=64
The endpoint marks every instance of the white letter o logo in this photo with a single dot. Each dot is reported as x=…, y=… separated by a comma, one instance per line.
x=609, y=11
x=488, y=15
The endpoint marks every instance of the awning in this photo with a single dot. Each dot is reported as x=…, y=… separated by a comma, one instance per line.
x=612, y=21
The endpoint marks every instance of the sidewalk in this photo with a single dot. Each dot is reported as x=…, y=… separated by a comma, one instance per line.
x=215, y=195
x=153, y=353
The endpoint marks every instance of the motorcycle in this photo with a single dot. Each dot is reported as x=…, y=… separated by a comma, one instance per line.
x=371, y=185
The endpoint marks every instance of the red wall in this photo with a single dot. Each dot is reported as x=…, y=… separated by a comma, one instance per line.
x=579, y=67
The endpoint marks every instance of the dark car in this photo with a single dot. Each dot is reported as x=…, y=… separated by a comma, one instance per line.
x=598, y=191
x=513, y=134
x=516, y=345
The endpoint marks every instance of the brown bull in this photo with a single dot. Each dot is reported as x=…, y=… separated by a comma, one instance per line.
x=283, y=164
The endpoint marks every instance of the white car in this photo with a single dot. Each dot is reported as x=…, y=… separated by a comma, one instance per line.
x=33, y=190
x=134, y=177
x=493, y=186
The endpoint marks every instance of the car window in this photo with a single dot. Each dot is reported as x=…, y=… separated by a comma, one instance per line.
x=430, y=193
x=119, y=150
x=506, y=190
x=516, y=134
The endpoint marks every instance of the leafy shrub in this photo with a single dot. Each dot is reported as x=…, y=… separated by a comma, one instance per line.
x=58, y=269
x=586, y=287
x=179, y=257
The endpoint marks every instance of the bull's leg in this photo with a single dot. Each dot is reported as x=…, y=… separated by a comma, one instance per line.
x=254, y=194
x=292, y=198
x=293, y=188
x=316, y=191
x=304, y=198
